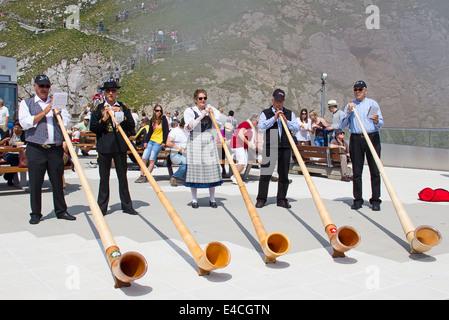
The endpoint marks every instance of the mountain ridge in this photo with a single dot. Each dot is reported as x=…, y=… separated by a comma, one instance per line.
x=252, y=47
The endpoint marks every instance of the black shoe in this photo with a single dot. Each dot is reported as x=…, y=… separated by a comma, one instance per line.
x=66, y=216
x=260, y=203
x=284, y=204
x=195, y=205
x=35, y=219
x=213, y=204
x=356, y=206
x=131, y=211
x=375, y=206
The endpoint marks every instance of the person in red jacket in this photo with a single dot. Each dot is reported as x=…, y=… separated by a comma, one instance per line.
x=243, y=139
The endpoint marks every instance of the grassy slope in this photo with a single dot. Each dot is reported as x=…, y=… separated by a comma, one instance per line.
x=45, y=50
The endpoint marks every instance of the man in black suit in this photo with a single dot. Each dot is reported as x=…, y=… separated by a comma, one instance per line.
x=112, y=146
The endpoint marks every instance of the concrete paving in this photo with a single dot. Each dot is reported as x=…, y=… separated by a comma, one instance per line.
x=65, y=259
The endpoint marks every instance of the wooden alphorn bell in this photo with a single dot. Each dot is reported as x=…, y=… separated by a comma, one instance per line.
x=342, y=239
x=215, y=255
x=421, y=239
x=274, y=244
x=125, y=267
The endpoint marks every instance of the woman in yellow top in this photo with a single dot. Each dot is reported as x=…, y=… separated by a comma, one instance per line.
x=154, y=140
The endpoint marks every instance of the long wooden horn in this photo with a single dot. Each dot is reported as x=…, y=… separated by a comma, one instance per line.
x=125, y=267
x=342, y=239
x=274, y=244
x=215, y=255
x=421, y=239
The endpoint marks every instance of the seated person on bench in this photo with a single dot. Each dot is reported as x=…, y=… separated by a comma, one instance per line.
x=14, y=138
x=339, y=142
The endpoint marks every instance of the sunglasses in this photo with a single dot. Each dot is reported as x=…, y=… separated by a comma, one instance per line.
x=110, y=90
x=358, y=89
x=158, y=110
x=47, y=86
x=201, y=98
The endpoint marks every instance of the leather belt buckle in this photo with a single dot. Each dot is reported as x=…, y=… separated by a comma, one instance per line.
x=46, y=146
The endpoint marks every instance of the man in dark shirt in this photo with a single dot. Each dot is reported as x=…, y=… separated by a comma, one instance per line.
x=277, y=148
x=112, y=146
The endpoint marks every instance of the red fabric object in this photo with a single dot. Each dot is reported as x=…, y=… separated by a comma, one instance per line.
x=433, y=195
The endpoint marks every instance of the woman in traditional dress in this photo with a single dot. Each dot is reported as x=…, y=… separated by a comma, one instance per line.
x=203, y=166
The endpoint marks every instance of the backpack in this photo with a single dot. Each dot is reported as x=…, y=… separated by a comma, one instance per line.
x=428, y=194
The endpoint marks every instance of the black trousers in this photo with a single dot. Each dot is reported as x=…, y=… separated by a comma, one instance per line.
x=41, y=161
x=268, y=164
x=358, y=149
x=121, y=167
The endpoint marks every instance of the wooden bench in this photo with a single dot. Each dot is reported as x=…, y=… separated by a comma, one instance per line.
x=164, y=155
x=320, y=160
x=88, y=141
x=20, y=178
x=245, y=173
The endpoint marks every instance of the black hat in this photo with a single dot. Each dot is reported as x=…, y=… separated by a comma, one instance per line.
x=338, y=131
x=360, y=83
x=278, y=94
x=110, y=85
x=42, y=79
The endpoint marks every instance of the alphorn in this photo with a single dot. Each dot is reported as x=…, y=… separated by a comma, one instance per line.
x=125, y=267
x=215, y=255
x=274, y=244
x=421, y=239
x=342, y=239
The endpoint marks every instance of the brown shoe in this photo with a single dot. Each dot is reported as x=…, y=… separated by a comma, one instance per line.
x=260, y=203
x=284, y=204
x=141, y=179
x=173, y=182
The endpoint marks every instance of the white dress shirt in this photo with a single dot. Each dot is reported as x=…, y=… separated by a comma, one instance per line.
x=27, y=120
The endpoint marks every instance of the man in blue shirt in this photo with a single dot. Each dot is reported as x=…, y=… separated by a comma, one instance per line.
x=372, y=120
x=277, y=148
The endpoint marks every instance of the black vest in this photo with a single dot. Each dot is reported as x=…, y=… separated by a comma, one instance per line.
x=283, y=139
x=39, y=133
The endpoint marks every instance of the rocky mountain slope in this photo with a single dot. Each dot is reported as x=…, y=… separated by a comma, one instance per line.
x=251, y=47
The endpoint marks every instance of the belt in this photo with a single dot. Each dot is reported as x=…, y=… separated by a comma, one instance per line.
x=45, y=146
x=371, y=134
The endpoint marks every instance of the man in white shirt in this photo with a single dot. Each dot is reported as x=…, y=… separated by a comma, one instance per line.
x=44, y=148
x=358, y=147
x=337, y=114
x=4, y=116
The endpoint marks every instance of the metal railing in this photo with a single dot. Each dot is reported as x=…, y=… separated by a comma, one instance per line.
x=418, y=137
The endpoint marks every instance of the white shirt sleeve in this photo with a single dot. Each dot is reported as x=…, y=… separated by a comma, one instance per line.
x=25, y=118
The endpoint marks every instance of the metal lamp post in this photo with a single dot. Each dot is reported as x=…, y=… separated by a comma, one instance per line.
x=323, y=89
